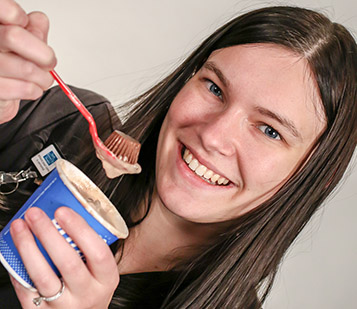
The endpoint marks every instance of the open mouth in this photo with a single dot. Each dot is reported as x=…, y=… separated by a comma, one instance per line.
x=202, y=171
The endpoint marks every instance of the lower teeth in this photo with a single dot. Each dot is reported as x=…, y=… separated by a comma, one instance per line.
x=207, y=180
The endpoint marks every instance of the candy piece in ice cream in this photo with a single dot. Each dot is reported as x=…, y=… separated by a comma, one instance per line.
x=126, y=149
x=123, y=146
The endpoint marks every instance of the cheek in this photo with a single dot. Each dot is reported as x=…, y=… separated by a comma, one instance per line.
x=162, y=144
x=186, y=108
x=269, y=170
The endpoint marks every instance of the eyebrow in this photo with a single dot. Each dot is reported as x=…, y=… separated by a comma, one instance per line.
x=283, y=121
x=209, y=65
x=288, y=124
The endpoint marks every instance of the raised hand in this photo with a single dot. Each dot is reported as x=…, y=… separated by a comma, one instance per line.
x=25, y=57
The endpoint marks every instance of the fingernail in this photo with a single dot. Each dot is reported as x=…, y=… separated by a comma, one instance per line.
x=17, y=226
x=23, y=19
x=33, y=214
x=63, y=213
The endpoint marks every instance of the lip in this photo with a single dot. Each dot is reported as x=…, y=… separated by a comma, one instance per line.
x=192, y=177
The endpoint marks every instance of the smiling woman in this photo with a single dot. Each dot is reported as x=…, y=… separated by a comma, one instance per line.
x=241, y=144
x=252, y=136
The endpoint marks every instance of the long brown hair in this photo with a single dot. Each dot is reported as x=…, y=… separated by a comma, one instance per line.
x=225, y=274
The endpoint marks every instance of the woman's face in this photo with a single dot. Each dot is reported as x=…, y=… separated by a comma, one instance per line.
x=236, y=132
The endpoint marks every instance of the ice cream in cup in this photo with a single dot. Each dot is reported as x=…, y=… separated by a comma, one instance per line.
x=65, y=186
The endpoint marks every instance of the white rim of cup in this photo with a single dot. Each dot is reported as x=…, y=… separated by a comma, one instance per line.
x=61, y=164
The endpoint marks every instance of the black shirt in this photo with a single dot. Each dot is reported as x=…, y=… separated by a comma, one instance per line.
x=50, y=120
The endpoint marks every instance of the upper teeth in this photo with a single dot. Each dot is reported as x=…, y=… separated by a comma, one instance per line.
x=202, y=170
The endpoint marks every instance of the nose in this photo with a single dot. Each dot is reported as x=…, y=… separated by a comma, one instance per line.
x=220, y=133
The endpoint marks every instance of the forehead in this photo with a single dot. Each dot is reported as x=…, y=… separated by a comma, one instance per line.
x=269, y=75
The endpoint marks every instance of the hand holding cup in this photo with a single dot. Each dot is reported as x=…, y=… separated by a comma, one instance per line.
x=45, y=242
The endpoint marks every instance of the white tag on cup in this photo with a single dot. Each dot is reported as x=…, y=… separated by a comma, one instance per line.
x=45, y=160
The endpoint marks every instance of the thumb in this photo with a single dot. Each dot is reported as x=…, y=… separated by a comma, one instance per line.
x=38, y=25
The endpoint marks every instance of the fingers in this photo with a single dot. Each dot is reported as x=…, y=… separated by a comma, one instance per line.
x=24, y=295
x=15, y=67
x=91, y=284
x=99, y=258
x=12, y=14
x=38, y=24
x=41, y=274
x=25, y=57
x=25, y=35
x=8, y=110
x=23, y=43
x=66, y=259
x=100, y=262
x=17, y=89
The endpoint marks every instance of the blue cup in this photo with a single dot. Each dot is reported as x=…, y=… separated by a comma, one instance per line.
x=65, y=186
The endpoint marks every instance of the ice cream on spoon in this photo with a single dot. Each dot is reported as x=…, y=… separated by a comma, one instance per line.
x=126, y=151
x=119, y=153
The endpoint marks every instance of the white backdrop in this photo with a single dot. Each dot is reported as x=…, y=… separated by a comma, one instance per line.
x=120, y=47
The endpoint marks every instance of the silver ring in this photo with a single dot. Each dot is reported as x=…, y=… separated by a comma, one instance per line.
x=10, y=191
x=37, y=300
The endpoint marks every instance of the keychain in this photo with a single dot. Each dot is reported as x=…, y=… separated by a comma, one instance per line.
x=16, y=178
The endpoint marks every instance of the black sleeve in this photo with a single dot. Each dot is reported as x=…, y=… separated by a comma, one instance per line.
x=50, y=120
x=8, y=298
x=53, y=119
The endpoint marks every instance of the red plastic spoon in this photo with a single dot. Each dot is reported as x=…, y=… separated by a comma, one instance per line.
x=112, y=163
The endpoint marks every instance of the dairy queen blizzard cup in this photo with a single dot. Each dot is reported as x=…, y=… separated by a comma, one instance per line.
x=65, y=186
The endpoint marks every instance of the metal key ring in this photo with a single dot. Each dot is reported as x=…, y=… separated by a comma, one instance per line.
x=11, y=191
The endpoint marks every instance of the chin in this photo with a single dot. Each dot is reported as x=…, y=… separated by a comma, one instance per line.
x=182, y=207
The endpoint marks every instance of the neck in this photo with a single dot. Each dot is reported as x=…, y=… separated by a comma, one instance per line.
x=161, y=241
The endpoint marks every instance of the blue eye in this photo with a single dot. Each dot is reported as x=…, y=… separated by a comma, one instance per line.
x=269, y=131
x=212, y=87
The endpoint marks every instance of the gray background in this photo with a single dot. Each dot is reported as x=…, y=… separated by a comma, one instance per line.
x=121, y=47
